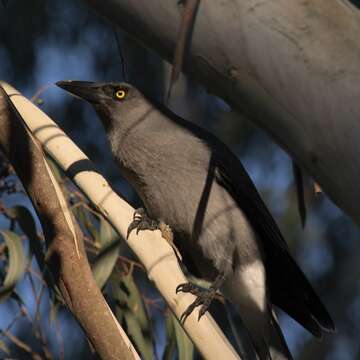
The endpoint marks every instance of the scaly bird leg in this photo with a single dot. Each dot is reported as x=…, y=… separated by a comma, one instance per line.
x=204, y=296
x=142, y=221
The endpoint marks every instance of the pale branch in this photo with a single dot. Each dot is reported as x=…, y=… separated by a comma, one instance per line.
x=291, y=67
x=153, y=251
x=65, y=256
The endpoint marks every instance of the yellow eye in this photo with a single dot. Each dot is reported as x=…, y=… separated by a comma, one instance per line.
x=120, y=94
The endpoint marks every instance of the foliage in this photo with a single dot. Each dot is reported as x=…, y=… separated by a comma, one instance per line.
x=42, y=42
x=113, y=267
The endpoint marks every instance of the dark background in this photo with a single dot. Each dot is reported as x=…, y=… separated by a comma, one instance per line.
x=42, y=42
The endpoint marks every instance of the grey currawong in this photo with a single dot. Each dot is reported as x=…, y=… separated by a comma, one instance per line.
x=190, y=180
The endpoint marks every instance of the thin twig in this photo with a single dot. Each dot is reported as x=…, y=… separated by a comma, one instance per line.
x=60, y=339
x=122, y=258
x=122, y=58
x=37, y=274
x=317, y=188
x=13, y=321
x=36, y=320
x=300, y=192
x=38, y=303
x=21, y=345
x=44, y=345
x=40, y=91
x=183, y=41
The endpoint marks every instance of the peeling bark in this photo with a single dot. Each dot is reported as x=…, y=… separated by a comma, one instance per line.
x=153, y=251
x=65, y=256
x=291, y=67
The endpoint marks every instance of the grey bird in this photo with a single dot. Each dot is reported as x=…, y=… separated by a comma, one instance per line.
x=190, y=180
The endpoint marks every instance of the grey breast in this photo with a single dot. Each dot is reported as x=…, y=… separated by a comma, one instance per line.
x=171, y=170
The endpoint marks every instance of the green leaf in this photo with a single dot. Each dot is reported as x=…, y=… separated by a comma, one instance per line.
x=184, y=344
x=134, y=330
x=106, y=259
x=130, y=307
x=55, y=169
x=120, y=295
x=27, y=224
x=170, y=338
x=86, y=219
x=54, y=307
x=4, y=348
x=135, y=302
x=17, y=263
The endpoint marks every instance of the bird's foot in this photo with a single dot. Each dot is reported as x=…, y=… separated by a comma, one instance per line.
x=166, y=232
x=204, y=299
x=141, y=221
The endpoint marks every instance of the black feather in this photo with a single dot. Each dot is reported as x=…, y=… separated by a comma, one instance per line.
x=300, y=192
x=288, y=286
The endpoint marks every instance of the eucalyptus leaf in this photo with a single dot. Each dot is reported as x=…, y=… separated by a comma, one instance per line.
x=54, y=169
x=120, y=294
x=170, y=346
x=131, y=309
x=184, y=344
x=17, y=263
x=86, y=220
x=135, y=301
x=54, y=307
x=27, y=224
x=106, y=259
x=4, y=348
x=141, y=340
x=119, y=314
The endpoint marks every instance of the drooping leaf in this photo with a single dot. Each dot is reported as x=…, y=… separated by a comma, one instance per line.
x=106, y=259
x=135, y=302
x=141, y=340
x=54, y=307
x=131, y=309
x=86, y=221
x=54, y=169
x=27, y=224
x=184, y=345
x=17, y=263
x=170, y=346
x=300, y=192
x=4, y=348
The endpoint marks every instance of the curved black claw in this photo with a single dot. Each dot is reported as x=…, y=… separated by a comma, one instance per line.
x=189, y=288
x=141, y=221
x=204, y=298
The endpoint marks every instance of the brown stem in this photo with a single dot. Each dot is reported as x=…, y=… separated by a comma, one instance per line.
x=65, y=255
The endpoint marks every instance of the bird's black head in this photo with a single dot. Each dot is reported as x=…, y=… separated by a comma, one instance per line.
x=111, y=100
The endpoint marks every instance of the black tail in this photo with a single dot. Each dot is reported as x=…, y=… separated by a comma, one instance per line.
x=278, y=347
x=292, y=292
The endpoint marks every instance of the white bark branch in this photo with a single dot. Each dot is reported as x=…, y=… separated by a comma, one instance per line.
x=291, y=67
x=153, y=251
x=65, y=248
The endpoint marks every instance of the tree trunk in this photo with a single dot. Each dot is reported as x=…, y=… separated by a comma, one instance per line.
x=65, y=254
x=291, y=67
x=153, y=251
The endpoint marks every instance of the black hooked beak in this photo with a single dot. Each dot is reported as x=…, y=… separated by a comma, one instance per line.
x=87, y=90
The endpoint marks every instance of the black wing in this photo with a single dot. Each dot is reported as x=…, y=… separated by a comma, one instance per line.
x=288, y=286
